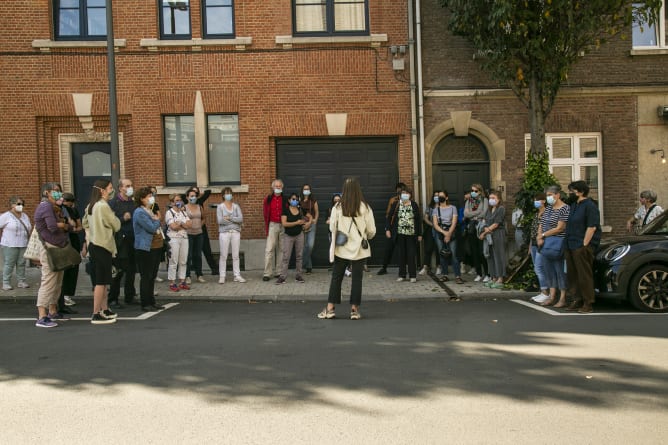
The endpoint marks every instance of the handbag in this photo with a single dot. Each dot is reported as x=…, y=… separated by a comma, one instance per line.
x=341, y=238
x=365, y=242
x=61, y=258
x=34, y=248
x=553, y=248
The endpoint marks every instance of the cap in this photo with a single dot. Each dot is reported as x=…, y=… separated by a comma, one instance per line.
x=69, y=197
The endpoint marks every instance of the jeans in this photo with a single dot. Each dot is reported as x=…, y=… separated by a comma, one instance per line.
x=538, y=267
x=13, y=258
x=454, y=258
x=195, y=254
x=338, y=271
x=309, y=241
x=407, y=245
x=556, y=277
x=229, y=242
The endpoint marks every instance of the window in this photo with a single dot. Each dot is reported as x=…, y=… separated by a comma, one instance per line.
x=80, y=20
x=651, y=36
x=576, y=157
x=326, y=17
x=218, y=18
x=222, y=154
x=174, y=19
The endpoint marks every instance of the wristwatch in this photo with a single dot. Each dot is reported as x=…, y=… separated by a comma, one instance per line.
x=543, y=236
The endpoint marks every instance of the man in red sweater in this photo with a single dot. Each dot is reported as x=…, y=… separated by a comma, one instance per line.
x=273, y=206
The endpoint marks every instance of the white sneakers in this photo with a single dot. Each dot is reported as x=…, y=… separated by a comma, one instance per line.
x=439, y=271
x=201, y=279
x=486, y=279
x=401, y=279
x=424, y=270
x=540, y=298
x=23, y=285
x=413, y=280
x=69, y=301
x=477, y=278
x=7, y=287
x=240, y=279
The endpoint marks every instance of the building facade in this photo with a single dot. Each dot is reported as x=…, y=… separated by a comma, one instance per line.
x=209, y=92
x=603, y=127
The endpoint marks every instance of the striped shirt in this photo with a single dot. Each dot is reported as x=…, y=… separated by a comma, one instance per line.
x=552, y=216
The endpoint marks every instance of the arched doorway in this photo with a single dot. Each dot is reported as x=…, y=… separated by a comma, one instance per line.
x=458, y=162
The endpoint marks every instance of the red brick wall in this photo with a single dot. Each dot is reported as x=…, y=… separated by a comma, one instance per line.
x=276, y=92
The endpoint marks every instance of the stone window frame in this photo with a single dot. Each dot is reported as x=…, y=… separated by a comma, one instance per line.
x=329, y=20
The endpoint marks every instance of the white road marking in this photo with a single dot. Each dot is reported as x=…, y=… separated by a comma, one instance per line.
x=141, y=317
x=554, y=313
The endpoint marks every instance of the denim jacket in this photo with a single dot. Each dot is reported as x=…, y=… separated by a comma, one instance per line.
x=144, y=227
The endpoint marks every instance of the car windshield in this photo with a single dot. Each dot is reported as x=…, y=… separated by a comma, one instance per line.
x=658, y=226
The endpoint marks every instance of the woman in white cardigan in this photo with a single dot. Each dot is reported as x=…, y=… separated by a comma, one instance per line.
x=353, y=217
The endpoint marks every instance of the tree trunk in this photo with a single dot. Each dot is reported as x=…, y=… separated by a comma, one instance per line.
x=536, y=116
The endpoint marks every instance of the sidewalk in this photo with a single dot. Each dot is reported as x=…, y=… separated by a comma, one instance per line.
x=316, y=287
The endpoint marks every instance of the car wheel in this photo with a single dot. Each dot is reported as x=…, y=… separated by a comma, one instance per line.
x=649, y=288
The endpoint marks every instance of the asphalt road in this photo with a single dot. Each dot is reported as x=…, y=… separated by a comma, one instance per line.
x=409, y=372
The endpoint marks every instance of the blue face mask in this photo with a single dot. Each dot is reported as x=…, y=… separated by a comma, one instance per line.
x=537, y=204
x=474, y=195
x=294, y=202
x=178, y=204
x=405, y=196
x=193, y=199
x=228, y=197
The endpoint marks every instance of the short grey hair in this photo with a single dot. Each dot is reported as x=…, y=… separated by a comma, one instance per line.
x=553, y=189
x=14, y=199
x=649, y=195
x=277, y=180
x=47, y=187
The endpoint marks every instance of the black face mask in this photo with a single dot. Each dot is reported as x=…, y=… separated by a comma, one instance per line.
x=442, y=199
x=572, y=198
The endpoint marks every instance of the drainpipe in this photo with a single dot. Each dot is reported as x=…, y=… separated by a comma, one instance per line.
x=414, y=132
x=420, y=99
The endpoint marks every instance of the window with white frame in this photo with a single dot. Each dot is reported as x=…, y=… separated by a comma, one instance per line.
x=330, y=17
x=222, y=155
x=80, y=19
x=651, y=36
x=576, y=157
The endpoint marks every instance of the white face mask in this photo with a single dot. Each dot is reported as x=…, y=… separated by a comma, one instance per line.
x=493, y=202
x=306, y=192
x=19, y=208
x=151, y=200
x=129, y=191
x=278, y=191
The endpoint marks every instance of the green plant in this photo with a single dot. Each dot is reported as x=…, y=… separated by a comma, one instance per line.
x=536, y=178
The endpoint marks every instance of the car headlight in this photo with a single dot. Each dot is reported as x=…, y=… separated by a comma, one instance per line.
x=616, y=252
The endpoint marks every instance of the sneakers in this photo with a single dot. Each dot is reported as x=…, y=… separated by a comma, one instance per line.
x=486, y=279
x=355, y=315
x=477, y=278
x=540, y=298
x=101, y=319
x=424, y=270
x=68, y=300
x=240, y=279
x=221, y=280
x=308, y=271
x=174, y=287
x=382, y=271
x=266, y=278
x=184, y=285
x=189, y=281
x=108, y=313
x=327, y=314
x=299, y=279
x=57, y=316
x=439, y=271
x=201, y=279
x=23, y=285
x=280, y=280
x=158, y=280
x=349, y=272
x=45, y=322
x=413, y=280
x=400, y=279
x=7, y=287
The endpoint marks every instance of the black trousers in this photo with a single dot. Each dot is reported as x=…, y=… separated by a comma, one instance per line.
x=580, y=273
x=391, y=242
x=126, y=270
x=338, y=272
x=479, y=261
x=407, y=245
x=206, y=251
x=428, y=247
x=147, y=263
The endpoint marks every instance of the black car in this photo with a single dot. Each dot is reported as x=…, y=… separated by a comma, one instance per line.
x=635, y=267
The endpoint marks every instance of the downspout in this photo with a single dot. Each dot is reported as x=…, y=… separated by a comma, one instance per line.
x=420, y=99
x=414, y=132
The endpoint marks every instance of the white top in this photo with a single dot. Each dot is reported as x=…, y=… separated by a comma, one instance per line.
x=172, y=216
x=13, y=232
x=642, y=211
x=366, y=228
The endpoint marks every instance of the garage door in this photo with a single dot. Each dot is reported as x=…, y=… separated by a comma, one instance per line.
x=325, y=163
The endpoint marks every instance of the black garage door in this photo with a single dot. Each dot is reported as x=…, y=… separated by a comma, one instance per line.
x=325, y=163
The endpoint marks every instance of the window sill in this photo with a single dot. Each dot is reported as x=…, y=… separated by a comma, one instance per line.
x=47, y=44
x=649, y=51
x=239, y=43
x=288, y=41
x=215, y=189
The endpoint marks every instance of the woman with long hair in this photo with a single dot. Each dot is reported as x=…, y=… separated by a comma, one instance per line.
x=149, y=244
x=428, y=238
x=230, y=218
x=354, y=217
x=195, y=235
x=536, y=257
x=445, y=219
x=293, y=223
x=475, y=210
x=309, y=206
x=101, y=224
x=494, y=230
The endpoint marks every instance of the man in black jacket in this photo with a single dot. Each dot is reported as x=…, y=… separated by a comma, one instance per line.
x=123, y=206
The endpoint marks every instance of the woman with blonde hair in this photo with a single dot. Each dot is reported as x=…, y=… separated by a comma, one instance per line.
x=352, y=217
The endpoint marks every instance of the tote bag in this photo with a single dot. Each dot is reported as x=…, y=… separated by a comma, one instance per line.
x=34, y=248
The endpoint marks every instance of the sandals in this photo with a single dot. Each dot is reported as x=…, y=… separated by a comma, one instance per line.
x=454, y=298
x=444, y=278
x=459, y=280
x=327, y=314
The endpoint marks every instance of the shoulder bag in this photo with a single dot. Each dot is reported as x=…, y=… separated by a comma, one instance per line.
x=553, y=248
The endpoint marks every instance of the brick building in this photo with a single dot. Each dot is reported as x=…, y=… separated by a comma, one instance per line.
x=602, y=128
x=210, y=92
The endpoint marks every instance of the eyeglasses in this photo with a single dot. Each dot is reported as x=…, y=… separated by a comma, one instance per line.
x=474, y=190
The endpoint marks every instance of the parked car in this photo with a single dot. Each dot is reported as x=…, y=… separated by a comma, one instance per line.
x=635, y=267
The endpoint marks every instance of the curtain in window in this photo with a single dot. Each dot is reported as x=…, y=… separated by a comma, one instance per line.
x=349, y=15
x=311, y=15
x=180, y=150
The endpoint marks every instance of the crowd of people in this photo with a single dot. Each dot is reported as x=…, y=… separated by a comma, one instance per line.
x=126, y=233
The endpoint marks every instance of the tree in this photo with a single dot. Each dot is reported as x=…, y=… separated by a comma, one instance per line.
x=530, y=45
